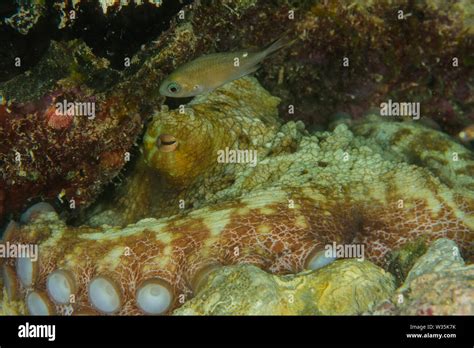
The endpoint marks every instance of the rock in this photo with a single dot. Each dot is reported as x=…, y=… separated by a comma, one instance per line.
x=403, y=259
x=344, y=287
x=438, y=284
x=65, y=160
x=443, y=255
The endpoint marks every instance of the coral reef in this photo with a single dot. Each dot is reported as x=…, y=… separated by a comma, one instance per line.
x=68, y=160
x=438, y=284
x=407, y=58
x=345, y=287
x=421, y=54
x=64, y=158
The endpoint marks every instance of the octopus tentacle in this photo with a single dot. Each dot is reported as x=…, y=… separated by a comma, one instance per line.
x=307, y=192
x=153, y=266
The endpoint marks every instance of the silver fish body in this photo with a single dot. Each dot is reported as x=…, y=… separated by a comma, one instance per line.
x=208, y=72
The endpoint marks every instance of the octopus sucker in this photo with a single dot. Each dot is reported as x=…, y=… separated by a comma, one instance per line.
x=61, y=285
x=38, y=303
x=27, y=271
x=318, y=259
x=154, y=296
x=105, y=295
x=36, y=209
x=201, y=275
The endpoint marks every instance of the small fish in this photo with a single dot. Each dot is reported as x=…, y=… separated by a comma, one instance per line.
x=467, y=134
x=208, y=72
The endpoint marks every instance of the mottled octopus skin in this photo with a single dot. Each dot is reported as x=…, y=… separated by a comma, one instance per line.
x=259, y=229
x=450, y=161
x=239, y=115
x=306, y=192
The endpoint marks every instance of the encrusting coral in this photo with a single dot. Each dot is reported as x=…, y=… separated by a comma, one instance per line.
x=306, y=193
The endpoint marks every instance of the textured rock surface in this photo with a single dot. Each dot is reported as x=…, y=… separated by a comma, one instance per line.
x=344, y=287
x=403, y=259
x=383, y=63
x=438, y=284
x=55, y=158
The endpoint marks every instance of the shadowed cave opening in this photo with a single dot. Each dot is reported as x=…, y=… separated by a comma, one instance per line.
x=115, y=35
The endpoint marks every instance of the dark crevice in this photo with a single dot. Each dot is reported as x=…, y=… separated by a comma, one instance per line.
x=115, y=36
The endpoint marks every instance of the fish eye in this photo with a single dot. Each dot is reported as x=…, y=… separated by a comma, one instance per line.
x=173, y=87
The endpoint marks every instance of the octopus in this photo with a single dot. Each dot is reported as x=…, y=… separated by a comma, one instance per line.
x=178, y=168
x=307, y=191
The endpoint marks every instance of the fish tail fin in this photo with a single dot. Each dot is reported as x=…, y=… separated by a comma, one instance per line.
x=279, y=43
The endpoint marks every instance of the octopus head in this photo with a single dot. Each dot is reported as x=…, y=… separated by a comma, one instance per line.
x=180, y=147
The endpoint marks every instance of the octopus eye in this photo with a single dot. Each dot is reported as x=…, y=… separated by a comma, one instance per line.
x=167, y=143
x=173, y=87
